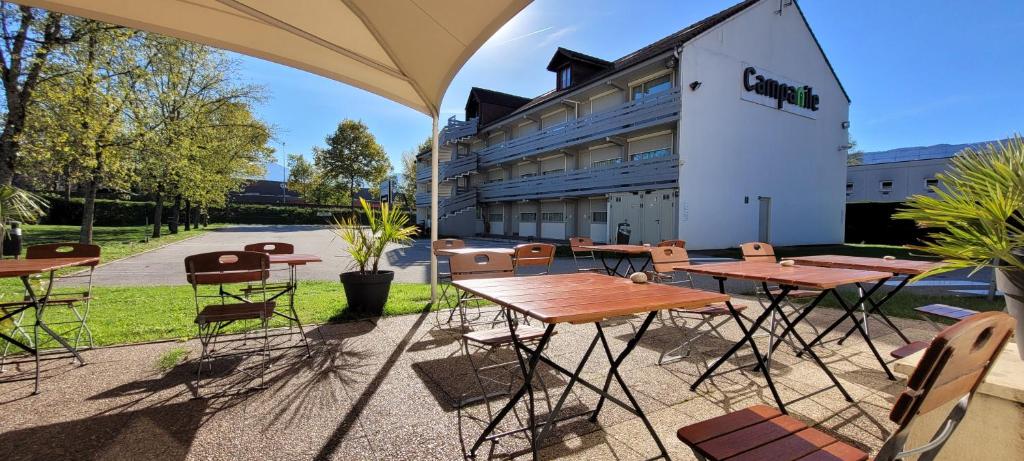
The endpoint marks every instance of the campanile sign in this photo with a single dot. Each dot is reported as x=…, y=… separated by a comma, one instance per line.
x=762, y=87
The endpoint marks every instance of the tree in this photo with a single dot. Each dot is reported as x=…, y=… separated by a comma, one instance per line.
x=854, y=156
x=301, y=176
x=352, y=158
x=407, y=187
x=30, y=36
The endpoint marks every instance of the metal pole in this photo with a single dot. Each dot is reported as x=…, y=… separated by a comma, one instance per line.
x=433, y=209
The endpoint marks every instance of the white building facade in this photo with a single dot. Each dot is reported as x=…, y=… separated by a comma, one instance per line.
x=730, y=130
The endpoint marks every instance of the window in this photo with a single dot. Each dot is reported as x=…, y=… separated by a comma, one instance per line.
x=479, y=213
x=930, y=183
x=496, y=217
x=653, y=86
x=552, y=217
x=559, y=170
x=564, y=77
x=611, y=161
x=599, y=216
x=650, y=155
x=528, y=217
x=849, y=188
x=527, y=175
x=885, y=186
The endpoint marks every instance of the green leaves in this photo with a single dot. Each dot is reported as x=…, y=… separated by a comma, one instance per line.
x=977, y=215
x=353, y=158
x=366, y=244
x=19, y=205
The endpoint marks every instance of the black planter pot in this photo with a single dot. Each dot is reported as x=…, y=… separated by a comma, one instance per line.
x=1011, y=283
x=367, y=293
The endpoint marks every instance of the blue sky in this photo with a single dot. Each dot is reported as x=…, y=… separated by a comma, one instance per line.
x=919, y=72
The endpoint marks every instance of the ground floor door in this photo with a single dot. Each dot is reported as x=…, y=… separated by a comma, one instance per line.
x=647, y=216
x=764, y=219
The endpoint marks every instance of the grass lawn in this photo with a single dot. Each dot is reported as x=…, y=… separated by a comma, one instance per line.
x=121, y=315
x=846, y=249
x=903, y=304
x=117, y=242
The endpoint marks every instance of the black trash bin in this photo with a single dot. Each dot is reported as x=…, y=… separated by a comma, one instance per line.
x=622, y=233
x=12, y=241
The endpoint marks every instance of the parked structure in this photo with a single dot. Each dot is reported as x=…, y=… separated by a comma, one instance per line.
x=266, y=191
x=730, y=130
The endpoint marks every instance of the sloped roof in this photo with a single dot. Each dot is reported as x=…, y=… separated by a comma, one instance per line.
x=564, y=54
x=486, y=96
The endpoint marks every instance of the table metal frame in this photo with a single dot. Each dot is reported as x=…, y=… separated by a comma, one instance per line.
x=623, y=257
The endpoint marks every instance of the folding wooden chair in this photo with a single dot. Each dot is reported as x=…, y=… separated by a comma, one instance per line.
x=289, y=286
x=486, y=265
x=75, y=299
x=927, y=312
x=445, y=278
x=950, y=371
x=764, y=252
x=224, y=268
x=664, y=261
x=534, y=255
x=580, y=254
x=672, y=243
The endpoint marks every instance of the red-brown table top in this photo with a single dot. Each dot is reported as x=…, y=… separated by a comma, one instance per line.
x=23, y=267
x=628, y=249
x=584, y=297
x=821, y=278
x=295, y=259
x=470, y=250
x=896, y=266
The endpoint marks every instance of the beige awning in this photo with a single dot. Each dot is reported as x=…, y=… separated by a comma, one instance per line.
x=404, y=50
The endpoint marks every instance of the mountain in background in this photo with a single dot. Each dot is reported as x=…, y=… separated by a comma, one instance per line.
x=904, y=154
x=275, y=172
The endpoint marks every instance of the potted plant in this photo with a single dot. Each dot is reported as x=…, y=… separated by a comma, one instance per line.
x=367, y=287
x=17, y=206
x=977, y=219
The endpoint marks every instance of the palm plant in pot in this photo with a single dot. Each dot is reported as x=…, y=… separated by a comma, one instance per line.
x=367, y=287
x=977, y=219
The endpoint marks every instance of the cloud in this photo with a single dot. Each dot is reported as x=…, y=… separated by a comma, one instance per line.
x=556, y=36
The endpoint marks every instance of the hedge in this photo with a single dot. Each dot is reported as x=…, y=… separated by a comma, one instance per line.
x=130, y=213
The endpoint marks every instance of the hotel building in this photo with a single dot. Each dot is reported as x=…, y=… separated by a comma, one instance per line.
x=732, y=129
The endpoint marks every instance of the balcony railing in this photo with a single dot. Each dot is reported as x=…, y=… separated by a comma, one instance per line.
x=422, y=173
x=459, y=201
x=633, y=115
x=457, y=129
x=423, y=199
x=458, y=167
x=621, y=177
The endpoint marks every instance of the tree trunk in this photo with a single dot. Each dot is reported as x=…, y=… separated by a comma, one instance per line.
x=67, y=183
x=9, y=147
x=172, y=222
x=188, y=215
x=88, y=212
x=158, y=211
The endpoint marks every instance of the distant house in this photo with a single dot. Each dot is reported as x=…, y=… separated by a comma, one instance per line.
x=366, y=194
x=265, y=191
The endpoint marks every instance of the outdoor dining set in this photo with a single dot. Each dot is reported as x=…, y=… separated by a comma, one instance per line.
x=646, y=283
x=640, y=284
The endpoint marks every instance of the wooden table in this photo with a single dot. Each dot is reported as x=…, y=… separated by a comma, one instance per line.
x=625, y=254
x=24, y=269
x=788, y=279
x=293, y=260
x=905, y=267
x=578, y=298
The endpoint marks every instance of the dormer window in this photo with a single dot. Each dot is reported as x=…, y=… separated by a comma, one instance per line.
x=565, y=77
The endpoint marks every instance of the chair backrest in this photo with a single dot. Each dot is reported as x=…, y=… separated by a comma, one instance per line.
x=446, y=244
x=63, y=250
x=481, y=265
x=271, y=248
x=576, y=242
x=666, y=258
x=758, y=252
x=952, y=367
x=220, y=267
x=672, y=243
x=534, y=254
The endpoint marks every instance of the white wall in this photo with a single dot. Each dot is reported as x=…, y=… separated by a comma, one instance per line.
x=908, y=179
x=731, y=149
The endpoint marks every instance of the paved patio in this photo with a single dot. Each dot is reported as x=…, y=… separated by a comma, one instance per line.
x=386, y=389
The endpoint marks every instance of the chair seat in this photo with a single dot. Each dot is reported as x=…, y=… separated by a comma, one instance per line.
x=762, y=432
x=499, y=336
x=909, y=349
x=590, y=269
x=796, y=294
x=236, y=311
x=945, y=311
x=717, y=309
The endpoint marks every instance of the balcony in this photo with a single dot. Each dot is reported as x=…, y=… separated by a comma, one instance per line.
x=458, y=202
x=457, y=129
x=423, y=199
x=422, y=173
x=633, y=115
x=458, y=167
x=622, y=177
